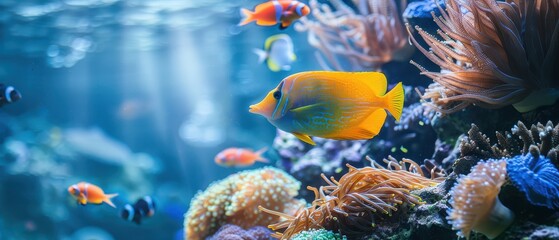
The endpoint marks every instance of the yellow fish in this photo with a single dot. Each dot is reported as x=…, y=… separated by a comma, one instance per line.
x=334, y=105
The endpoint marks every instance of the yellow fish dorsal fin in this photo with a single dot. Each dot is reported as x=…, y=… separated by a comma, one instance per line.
x=369, y=128
x=272, y=39
x=304, y=138
x=374, y=80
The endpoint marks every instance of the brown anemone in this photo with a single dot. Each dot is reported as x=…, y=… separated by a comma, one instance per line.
x=355, y=38
x=355, y=203
x=494, y=54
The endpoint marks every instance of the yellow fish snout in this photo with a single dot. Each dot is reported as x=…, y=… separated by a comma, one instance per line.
x=254, y=108
x=264, y=108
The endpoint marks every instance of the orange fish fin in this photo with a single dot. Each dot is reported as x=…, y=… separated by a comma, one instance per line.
x=82, y=199
x=369, y=128
x=262, y=150
x=108, y=197
x=284, y=25
x=395, y=101
x=304, y=138
x=247, y=16
x=260, y=158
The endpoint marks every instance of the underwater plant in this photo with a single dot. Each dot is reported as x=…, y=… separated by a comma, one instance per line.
x=493, y=54
x=365, y=38
x=235, y=200
x=354, y=204
x=536, y=177
x=475, y=205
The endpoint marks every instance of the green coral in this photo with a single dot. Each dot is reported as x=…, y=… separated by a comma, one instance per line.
x=320, y=234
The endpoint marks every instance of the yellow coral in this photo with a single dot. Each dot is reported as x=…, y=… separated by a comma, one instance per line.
x=353, y=204
x=236, y=198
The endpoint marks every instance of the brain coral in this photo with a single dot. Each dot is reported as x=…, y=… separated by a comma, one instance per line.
x=536, y=177
x=235, y=200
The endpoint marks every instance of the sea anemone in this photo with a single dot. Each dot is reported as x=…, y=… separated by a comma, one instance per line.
x=365, y=37
x=355, y=203
x=475, y=205
x=536, y=177
x=428, y=170
x=235, y=200
x=494, y=54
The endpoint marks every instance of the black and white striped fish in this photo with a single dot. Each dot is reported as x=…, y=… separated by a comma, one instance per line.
x=144, y=207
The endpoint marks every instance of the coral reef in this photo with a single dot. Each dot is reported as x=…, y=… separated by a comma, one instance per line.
x=235, y=199
x=320, y=234
x=414, y=116
x=355, y=39
x=536, y=177
x=545, y=139
x=360, y=199
x=475, y=205
x=494, y=54
x=233, y=232
x=305, y=163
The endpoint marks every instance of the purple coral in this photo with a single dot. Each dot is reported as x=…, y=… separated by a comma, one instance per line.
x=234, y=232
x=536, y=177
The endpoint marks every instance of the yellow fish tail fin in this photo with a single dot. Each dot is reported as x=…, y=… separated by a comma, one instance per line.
x=247, y=16
x=108, y=197
x=395, y=101
x=369, y=128
x=304, y=138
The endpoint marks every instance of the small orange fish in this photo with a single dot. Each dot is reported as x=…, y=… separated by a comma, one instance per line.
x=273, y=12
x=88, y=193
x=239, y=157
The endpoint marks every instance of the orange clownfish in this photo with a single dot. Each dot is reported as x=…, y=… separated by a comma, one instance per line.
x=88, y=193
x=335, y=105
x=273, y=12
x=239, y=157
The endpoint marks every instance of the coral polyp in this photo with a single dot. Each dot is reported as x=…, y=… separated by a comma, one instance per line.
x=475, y=205
x=235, y=200
x=536, y=177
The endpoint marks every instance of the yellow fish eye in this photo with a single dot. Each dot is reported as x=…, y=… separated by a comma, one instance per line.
x=277, y=94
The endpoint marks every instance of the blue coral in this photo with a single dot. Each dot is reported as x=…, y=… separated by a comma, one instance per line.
x=537, y=178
